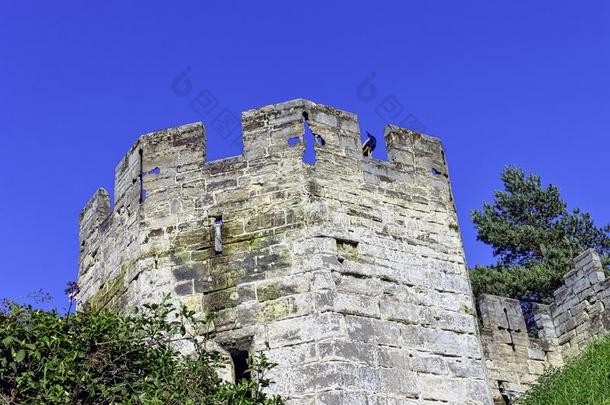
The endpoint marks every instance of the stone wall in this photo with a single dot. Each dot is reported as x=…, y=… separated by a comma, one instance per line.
x=515, y=358
x=349, y=273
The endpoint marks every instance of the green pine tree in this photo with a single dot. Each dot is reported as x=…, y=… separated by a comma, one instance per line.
x=533, y=236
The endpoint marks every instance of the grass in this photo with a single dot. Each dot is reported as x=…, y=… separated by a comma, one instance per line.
x=584, y=380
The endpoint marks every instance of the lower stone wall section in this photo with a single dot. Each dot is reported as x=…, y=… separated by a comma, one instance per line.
x=515, y=356
x=580, y=312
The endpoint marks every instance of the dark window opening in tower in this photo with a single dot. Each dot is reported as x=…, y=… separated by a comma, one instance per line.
x=437, y=172
x=503, y=393
x=240, y=364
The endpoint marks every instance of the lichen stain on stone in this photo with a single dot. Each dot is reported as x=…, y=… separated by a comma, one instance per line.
x=427, y=238
x=278, y=309
x=194, y=302
x=269, y=292
x=104, y=297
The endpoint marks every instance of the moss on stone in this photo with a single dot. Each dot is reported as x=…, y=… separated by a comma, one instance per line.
x=261, y=241
x=278, y=309
x=194, y=302
x=426, y=238
x=222, y=299
x=105, y=296
x=468, y=310
x=270, y=292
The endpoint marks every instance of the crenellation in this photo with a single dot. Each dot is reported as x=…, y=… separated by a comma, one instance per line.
x=93, y=215
x=127, y=177
x=420, y=153
x=564, y=328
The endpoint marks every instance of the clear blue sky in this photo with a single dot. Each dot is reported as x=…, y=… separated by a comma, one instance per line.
x=514, y=82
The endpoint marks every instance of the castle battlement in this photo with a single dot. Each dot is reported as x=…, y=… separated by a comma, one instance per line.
x=175, y=158
x=266, y=132
x=349, y=273
x=519, y=352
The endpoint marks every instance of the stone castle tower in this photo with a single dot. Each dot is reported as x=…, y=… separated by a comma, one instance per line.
x=348, y=273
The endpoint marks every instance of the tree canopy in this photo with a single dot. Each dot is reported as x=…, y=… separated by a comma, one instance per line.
x=534, y=237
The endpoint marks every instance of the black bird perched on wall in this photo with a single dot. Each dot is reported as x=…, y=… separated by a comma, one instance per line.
x=369, y=145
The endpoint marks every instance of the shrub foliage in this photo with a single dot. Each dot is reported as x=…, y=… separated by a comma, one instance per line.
x=106, y=358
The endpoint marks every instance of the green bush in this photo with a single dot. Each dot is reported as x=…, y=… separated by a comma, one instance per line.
x=583, y=381
x=106, y=358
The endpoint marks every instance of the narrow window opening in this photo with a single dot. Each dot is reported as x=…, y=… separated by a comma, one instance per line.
x=509, y=329
x=503, y=393
x=142, y=191
x=345, y=244
x=437, y=172
x=309, y=156
x=310, y=139
x=355, y=275
x=240, y=363
x=218, y=235
x=293, y=141
x=141, y=175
